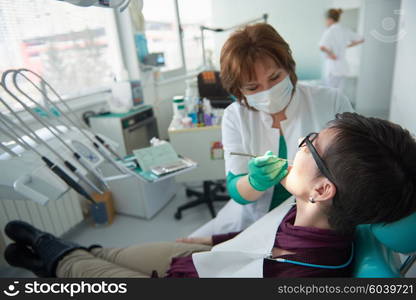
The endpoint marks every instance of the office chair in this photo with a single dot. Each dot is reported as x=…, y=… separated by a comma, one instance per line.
x=210, y=87
x=377, y=248
x=207, y=196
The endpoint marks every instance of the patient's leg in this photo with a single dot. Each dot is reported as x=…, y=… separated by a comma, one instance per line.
x=148, y=257
x=82, y=264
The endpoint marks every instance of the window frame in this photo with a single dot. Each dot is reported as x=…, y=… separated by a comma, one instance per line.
x=93, y=92
x=126, y=63
x=166, y=75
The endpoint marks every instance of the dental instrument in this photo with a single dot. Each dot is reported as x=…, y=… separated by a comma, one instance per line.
x=59, y=172
x=254, y=156
x=7, y=150
x=56, y=133
x=48, y=124
x=56, y=169
x=73, y=114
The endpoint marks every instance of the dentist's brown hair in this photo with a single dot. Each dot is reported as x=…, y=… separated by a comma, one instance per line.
x=248, y=45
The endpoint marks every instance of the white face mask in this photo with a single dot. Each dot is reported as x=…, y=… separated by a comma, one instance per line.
x=274, y=99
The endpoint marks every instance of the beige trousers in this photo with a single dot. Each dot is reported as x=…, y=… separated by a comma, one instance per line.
x=134, y=261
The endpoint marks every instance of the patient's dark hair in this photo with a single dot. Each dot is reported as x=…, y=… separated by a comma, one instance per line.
x=373, y=163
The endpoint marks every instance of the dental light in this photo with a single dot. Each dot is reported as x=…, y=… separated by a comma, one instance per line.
x=119, y=4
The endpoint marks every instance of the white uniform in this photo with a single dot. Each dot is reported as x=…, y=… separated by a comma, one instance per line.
x=337, y=38
x=249, y=131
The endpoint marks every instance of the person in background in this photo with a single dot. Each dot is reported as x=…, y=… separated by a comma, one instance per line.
x=334, y=43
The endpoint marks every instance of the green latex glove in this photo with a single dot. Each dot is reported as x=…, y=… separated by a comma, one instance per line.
x=266, y=171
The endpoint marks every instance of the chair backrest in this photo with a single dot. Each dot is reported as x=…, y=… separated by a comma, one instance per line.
x=399, y=236
x=210, y=87
x=377, y=247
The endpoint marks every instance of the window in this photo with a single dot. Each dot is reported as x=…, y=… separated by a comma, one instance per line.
x=162, y=31
x=193, y=14
x=73, y=48
x=163, y=35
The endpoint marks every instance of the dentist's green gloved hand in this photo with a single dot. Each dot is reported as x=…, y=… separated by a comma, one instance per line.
x=266, y=171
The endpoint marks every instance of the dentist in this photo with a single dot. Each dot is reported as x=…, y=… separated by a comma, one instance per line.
x=273, y=110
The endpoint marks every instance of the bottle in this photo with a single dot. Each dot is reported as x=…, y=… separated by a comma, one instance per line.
x=207, y=112
x=200, y=114
x=191, y=95
x=217, y=151
x=179, y=108
x=181, y=111
x=192, y=99
x=187, y=122
x=122, y=97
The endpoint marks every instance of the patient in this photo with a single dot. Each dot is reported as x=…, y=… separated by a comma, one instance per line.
x=358, y=170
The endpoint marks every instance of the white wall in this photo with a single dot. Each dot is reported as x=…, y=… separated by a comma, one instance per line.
x=378, y=56
x=300, y=22
x=159, y=94
x=403, y=105
x=165, y=92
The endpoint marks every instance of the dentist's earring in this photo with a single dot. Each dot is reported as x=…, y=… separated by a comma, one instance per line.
x=311, y=200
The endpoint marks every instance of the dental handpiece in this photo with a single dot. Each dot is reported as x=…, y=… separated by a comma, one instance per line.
x=46, y=125
x=55, y=168
x=7, y=150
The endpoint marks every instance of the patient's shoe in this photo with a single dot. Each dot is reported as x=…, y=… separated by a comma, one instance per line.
x=18, y=255
x=22, y=232
x=52, y=249
x=94, y=246
x=47, y=247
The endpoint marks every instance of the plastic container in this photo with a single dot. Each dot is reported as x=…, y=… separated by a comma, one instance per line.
x=121, y=100
x=122, y=97
x=179, y=108
x=193, y=117
x=191, y=95
x=200, y=115
x=176, y=124
x=207, y=108
x=187, y=122
x=181, y=111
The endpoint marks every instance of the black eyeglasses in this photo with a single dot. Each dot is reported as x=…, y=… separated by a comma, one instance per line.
x=308, y=140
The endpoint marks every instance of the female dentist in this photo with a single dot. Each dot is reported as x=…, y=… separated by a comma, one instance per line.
x=271, y=113
x=334, y=43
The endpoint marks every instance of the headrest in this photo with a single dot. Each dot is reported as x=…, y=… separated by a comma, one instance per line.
x=399, y=236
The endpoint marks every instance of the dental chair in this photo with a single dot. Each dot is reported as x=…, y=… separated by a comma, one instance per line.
x=377, y=248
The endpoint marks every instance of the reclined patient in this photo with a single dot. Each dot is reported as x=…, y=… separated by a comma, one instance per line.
x=358, y=170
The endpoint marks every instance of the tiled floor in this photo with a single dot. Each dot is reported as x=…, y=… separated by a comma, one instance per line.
x=127, y=230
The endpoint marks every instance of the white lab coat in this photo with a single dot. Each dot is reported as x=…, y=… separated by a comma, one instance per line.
x=249, y=131
x=336, y=38
x=243, y=255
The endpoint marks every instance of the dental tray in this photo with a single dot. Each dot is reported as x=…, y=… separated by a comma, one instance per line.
x=183, y=163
